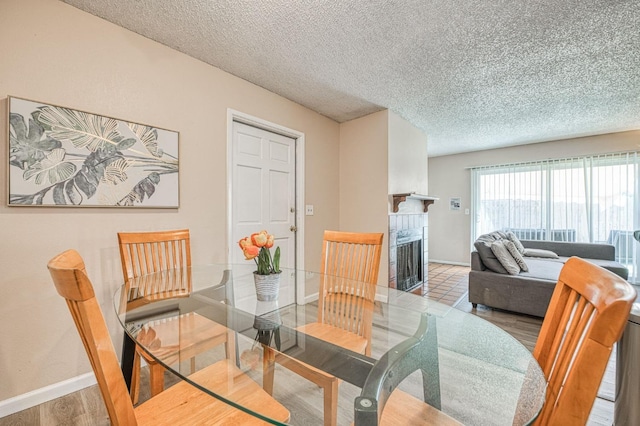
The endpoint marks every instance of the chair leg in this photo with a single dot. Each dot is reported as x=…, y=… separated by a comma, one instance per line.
x=331, y=403
x=135, y=379
x=231, y=347
x=268, y=369
x=328, y=383
x=156, y=378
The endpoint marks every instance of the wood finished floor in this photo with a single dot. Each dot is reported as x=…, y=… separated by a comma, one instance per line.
x=447, y=284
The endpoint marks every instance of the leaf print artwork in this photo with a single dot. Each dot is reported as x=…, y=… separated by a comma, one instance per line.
x=51, y=168
x=148, y=136
x=82, y=129
x=116, y=172
x=64, y=157
x=27, y=144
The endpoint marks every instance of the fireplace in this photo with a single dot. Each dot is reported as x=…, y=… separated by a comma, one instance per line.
x=408, y=252
x=409, y=243
x=409, y=261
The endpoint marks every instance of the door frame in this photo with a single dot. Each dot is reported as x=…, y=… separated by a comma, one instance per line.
x=233, y=115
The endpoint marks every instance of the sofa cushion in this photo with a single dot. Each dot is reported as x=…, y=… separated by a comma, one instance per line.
x=504, y=257
x=543, y=269
x=546, y=254
x=492, y=236
x=568, y=249
x=517, y=256
x=483, y=247
x=488, y=258
x=516, y=241
x=499, y=235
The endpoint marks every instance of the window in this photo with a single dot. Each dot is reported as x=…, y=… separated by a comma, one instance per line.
x=585, y=199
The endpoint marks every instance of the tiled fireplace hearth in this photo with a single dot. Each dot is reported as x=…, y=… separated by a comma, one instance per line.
x=408, y=252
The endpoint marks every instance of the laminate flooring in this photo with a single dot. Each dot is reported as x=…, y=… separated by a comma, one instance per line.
x=446, y=284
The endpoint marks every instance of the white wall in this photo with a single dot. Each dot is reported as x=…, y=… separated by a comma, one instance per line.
x=449, y=176
x=54, y=53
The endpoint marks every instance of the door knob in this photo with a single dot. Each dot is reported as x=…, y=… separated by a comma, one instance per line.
x=293, y=228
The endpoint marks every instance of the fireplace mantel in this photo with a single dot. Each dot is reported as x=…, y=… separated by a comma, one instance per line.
x=399, y=198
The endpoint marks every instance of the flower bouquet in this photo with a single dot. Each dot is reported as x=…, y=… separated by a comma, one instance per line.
x=267, y=275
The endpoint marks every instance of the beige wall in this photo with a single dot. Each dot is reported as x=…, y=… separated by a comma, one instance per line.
x=380, y=154
x=449, y=176
x=408, y=171
x=54, y=53
x=363, y=179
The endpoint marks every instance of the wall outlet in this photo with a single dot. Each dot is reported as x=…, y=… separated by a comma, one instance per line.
x=466, y=211
x=308, y=210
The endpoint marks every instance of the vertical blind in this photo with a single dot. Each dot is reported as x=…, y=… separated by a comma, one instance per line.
x=584, y=199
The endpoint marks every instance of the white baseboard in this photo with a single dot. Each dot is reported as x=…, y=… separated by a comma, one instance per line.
x=448, y=262
x=47, y=393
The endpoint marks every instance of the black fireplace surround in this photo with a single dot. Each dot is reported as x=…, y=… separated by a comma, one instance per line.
x=409, y=262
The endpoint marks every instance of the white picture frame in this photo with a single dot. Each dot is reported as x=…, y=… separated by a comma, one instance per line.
x=454, y=203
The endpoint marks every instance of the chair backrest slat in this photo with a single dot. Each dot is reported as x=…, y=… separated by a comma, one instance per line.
x=69, y=276
x=144, y=253
x=350, y=265
x=586, y=316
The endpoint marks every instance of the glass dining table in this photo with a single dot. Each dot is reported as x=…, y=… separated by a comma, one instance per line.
x=457, y=362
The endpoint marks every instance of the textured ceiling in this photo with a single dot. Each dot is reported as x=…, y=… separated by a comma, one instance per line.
x=473, y=74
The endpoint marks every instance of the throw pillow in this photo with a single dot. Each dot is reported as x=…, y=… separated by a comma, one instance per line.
x=498, y=235
x=508, y=262
x=490, y=237
x=514, y=239
x=517, y=256
x=546, y=254
x=488, y=258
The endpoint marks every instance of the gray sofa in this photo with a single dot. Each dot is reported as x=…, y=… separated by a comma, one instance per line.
x=530, y=292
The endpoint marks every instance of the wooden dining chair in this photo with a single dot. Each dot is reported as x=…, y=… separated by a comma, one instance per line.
x=182, y=403
x=143, y=253
x=587, y=314
x=349, y=267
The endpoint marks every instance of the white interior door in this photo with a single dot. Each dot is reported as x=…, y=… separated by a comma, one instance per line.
x=263, y=192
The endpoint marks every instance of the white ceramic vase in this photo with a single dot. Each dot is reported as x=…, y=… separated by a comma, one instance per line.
x=267, y=286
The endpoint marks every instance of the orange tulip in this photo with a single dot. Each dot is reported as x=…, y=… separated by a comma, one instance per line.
x=246, y=241
x=270, y=241
x=260, y=239
x=250, y=252
x=257, y=247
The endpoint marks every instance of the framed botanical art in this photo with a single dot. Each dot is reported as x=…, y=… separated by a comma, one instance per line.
x=64, y=157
